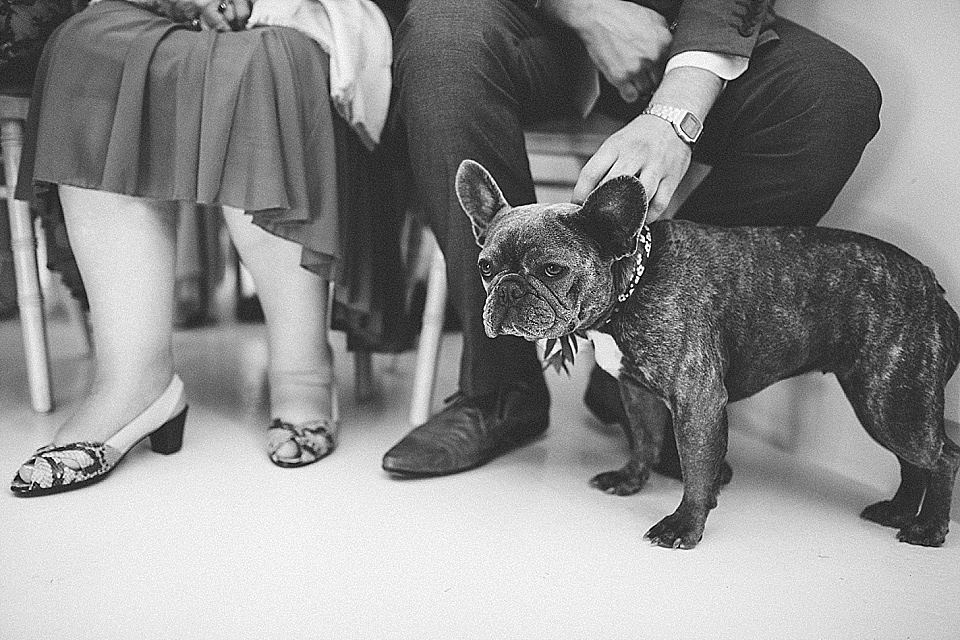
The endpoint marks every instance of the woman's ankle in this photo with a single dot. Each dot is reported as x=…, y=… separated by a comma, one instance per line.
x=302, y=395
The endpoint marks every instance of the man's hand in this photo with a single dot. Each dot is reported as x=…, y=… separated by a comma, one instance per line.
x=627, y=43
x=648, y=147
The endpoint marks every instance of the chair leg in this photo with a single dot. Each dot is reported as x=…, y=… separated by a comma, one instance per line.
x=428, y=351
x=363, y=389
x=29, y=297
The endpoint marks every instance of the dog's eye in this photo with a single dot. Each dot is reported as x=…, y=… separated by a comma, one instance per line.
x=486, y=268
x=554, y=270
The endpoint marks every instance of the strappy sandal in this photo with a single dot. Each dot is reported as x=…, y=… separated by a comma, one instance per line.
x=314, y=439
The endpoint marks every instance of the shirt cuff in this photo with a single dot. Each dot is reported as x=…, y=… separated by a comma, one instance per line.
x=726, y=66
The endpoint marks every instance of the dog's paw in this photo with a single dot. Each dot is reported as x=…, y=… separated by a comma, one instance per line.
x=924, y=533
x=889, y=514
x=622, y=482
x=676, y=531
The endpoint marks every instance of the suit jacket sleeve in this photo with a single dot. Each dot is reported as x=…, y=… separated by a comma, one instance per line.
x=732, y=27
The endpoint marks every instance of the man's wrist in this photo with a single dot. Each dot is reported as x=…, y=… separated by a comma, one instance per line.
x=686, y=125
x=690, y=88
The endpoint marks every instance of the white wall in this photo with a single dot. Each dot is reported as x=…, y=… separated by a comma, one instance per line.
x=906, y=191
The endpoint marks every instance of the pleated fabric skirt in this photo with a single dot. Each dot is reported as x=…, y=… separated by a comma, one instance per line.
x=130, y=102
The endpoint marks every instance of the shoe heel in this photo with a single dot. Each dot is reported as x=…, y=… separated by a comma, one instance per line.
x=169, y=437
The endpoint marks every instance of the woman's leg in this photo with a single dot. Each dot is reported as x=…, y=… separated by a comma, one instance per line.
x=125, y=249
x=295, y=309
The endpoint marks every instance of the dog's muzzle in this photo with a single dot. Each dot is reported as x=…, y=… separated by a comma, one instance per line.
x=513, y=307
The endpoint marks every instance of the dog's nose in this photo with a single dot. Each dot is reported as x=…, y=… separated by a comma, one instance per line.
x=511, y=291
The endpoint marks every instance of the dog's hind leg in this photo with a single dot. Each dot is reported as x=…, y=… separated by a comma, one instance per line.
x=930, y=527
x=648, y=419
x=900, y=510
x=902, y=408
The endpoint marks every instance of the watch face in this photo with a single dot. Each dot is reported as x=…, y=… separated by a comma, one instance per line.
x=690, y=126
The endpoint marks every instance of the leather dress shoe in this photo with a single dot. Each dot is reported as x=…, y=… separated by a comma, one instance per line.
x=603, y=400
x=471, y=431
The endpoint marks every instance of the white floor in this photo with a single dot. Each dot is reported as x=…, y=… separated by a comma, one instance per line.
x=215, y=542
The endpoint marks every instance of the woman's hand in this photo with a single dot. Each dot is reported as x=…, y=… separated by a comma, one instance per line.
x=236, y=12
x=221, y=15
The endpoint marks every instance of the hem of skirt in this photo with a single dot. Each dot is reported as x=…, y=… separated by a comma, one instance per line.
x=166, y=197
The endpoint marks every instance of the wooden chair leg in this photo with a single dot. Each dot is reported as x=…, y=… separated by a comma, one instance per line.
x=29, y=297
x=431, y=334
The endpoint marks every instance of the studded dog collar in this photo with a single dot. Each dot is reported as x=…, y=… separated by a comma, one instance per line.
x=644, y=243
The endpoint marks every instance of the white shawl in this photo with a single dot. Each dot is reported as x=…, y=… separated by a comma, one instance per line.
x=356, y=36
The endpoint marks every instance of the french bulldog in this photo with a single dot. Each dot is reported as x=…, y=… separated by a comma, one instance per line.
x=700, y=316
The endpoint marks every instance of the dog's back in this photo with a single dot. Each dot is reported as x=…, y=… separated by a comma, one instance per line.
x=784, y=301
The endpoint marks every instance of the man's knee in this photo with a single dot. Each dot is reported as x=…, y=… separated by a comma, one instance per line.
x=830, y=112
x=452, y=39
x=453, y=59
x=849, y=99
x=843, y=117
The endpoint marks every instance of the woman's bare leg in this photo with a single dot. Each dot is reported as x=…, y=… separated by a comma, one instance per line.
x=125, y=249
x=294, y=304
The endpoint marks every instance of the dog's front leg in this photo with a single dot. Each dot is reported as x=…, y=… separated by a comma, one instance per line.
x=700, y=425
x=648, y=417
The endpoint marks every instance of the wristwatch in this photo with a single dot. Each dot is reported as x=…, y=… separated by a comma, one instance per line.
x=687, y=125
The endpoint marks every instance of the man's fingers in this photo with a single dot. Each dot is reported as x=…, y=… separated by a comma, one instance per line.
x=651, y=186
x=594, y=171
x=661, y=199
x=624, y=166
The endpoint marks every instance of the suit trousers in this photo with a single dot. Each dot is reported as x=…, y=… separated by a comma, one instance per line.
x=782, y=139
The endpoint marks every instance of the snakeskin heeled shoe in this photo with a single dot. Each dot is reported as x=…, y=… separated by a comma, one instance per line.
x=313, y=439
x=53, y=469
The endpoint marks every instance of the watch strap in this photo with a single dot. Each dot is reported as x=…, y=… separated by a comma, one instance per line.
x=687, y=125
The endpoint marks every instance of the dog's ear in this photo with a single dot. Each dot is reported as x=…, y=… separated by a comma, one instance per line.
x=479, y=196
x=612, y=215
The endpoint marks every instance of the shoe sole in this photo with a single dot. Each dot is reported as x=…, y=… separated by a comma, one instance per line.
x=28, y=492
